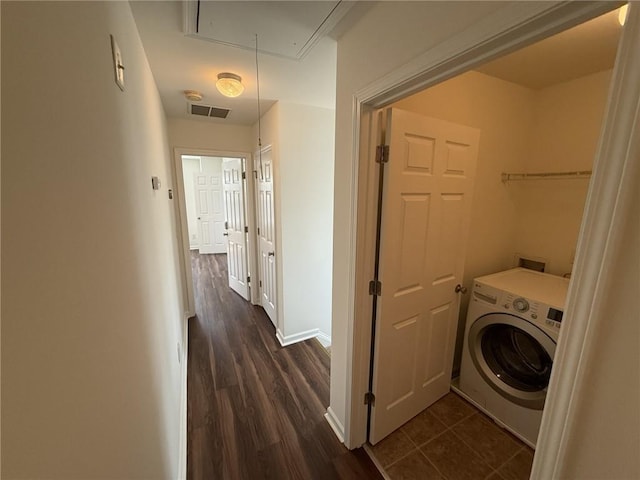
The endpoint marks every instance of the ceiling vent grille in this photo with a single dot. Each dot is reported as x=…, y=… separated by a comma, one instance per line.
x=208, y=111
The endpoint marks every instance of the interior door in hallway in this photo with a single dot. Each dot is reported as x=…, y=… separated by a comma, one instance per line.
x=266, y=234
x=234, y=208
x=208, y=188
x=428, y=182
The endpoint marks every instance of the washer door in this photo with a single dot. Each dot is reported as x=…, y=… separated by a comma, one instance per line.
x=513, y=356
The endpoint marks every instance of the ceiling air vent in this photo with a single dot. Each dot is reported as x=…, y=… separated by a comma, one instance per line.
x=208, y=111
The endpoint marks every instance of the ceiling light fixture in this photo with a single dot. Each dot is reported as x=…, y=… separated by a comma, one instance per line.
x=622, y=14
x=229, y=84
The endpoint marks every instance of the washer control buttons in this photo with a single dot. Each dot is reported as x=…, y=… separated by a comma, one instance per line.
x=534, y=316
x=521, y=305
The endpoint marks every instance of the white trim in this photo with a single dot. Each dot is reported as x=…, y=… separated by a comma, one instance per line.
x=609, y=206
x=512, y=27
x=324, y=339
x=335, y=424
x=189, y=9
x=295, y=338
x=358, y=372
x=183, y=230
x=182, y=455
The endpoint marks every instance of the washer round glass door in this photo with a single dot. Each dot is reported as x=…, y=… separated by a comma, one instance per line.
x=513, y=356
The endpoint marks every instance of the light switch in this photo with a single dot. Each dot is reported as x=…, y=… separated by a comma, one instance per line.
x=118, y=65
x=155, y=183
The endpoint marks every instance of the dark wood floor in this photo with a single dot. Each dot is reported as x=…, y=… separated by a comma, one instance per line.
x=255, y=409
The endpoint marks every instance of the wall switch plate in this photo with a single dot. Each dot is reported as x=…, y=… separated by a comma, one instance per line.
x=155, y=183
x=118, y=66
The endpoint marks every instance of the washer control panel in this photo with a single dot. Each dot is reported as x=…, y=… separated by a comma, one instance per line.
x=543, y=314
x=521, y=305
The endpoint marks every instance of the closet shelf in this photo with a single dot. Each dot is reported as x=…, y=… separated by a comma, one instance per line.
x=508, y=177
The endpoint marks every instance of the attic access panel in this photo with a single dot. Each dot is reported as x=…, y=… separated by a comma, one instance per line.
x=285, y=29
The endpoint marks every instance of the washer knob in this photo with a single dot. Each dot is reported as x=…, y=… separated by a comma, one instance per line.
x=521, y=305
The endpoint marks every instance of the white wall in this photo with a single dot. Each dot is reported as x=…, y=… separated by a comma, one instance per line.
x=191, y=166
x=212, y=165
x=306, y=201
x=198, y=134
x=566, y=129
x=303, y=152
x=92, y=309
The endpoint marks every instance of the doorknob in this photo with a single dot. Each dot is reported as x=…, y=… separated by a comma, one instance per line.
x=461, y=289
x=271, y=254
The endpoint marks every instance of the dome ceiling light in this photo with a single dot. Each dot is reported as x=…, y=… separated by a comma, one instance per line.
x=229, y=84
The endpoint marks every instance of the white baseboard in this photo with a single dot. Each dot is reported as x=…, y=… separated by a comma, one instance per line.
x=324, y=339
x=182, y=454
x=297, y=337
x=335, y=424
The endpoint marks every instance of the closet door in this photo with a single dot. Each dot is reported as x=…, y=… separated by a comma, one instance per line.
x=428, y=181
x=235, y=223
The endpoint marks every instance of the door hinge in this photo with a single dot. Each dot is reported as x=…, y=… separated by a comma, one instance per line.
x=246, y=229
x=375, y=288
x=258, y=230
x=226, y=225
x=248, y=279
x=369, y=399
x=244, y=175
x=255, y=174
x=260, y=282
x=382, y=154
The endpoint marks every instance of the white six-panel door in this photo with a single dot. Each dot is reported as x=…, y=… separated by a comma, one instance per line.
x=266, y=235
x=209, y=208
x=428, y=183
x=233, y=187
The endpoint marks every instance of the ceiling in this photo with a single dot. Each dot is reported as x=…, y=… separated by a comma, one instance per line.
x=297, y=60
x=582, y=50
x=287, y=29
x=186, y=51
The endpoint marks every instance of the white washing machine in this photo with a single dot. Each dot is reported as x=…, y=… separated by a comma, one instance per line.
x=510, y=340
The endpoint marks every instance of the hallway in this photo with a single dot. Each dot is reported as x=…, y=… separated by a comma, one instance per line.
x=255, y=409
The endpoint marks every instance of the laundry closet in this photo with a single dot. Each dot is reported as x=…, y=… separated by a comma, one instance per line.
x=553, y=129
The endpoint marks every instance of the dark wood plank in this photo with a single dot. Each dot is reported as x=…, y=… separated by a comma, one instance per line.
x=255, y=409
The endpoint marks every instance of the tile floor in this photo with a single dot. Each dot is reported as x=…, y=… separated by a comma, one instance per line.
x=452, y=440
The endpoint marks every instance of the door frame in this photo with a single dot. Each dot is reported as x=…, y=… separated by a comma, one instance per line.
x=183, y=231
x=510, y=28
